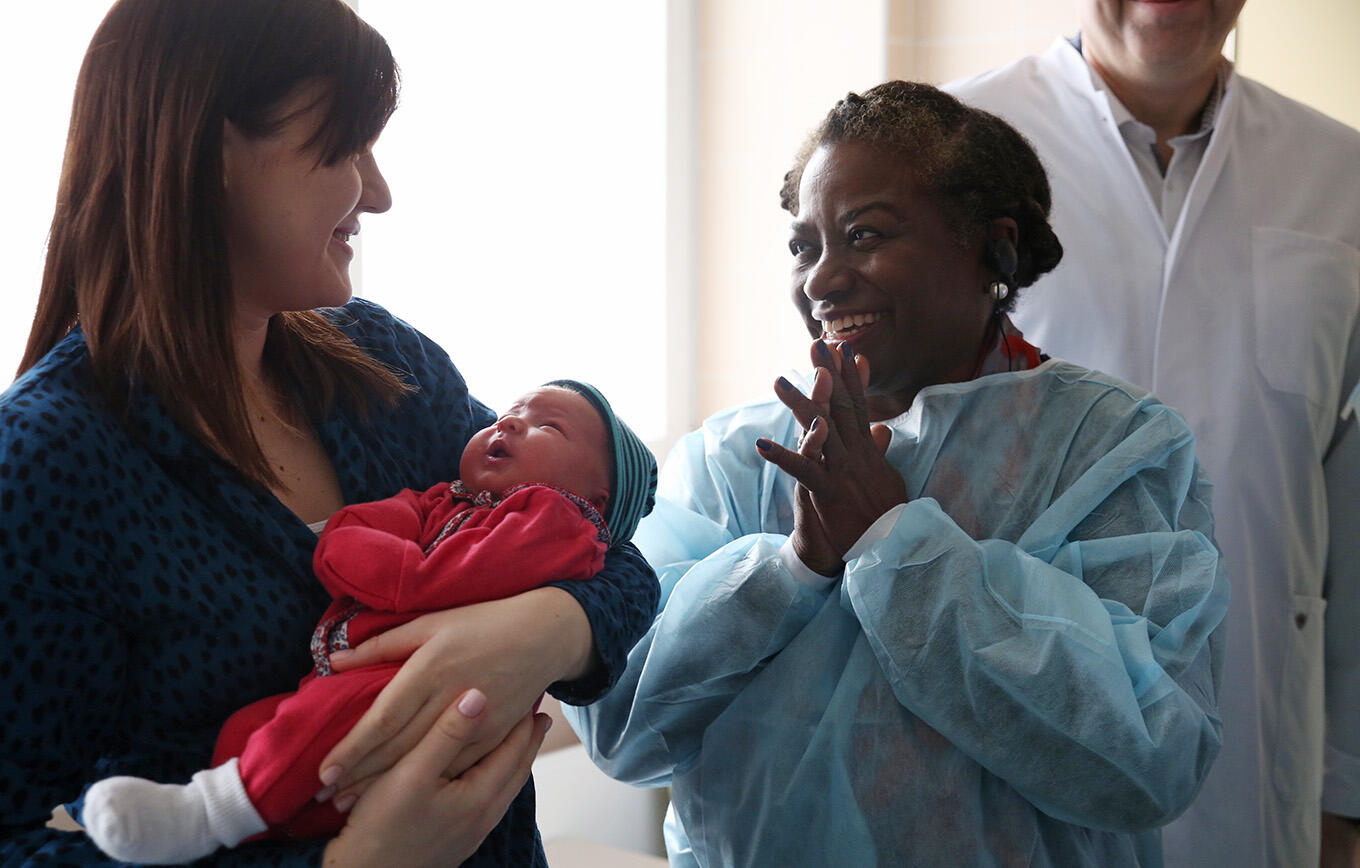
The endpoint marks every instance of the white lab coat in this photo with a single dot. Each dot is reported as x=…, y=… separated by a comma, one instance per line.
x=1244, y=318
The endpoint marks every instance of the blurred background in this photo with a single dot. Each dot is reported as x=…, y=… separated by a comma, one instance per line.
x=598, y=181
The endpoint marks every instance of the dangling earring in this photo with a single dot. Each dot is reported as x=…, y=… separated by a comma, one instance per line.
x=999, y=290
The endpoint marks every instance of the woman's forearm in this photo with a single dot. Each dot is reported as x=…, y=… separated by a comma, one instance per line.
x=618, y=604
x=557, y=635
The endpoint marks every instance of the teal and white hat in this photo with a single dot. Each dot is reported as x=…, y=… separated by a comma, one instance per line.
x=632, y=475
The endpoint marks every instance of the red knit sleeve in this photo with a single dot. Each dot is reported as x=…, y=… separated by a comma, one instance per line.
x=535, y=536
x=360, y=543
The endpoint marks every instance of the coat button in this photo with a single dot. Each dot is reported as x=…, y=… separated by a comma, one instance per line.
x=1300, y=620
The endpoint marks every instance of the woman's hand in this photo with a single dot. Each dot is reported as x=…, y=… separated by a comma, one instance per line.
x=840, y=460
x=516, y=646
x=809, y=538
x=810, y=542
x=413, y=815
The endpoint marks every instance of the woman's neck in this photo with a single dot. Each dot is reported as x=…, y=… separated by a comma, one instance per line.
x=882, y=407
x=251, y=333
x=891, y=403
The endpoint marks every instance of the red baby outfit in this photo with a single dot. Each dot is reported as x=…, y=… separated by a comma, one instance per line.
x=385, y=563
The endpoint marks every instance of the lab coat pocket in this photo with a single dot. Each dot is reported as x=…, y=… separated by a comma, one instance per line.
x=1299, y=733
x=1307, y=292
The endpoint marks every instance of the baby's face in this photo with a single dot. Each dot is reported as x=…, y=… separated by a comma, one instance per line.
x=550, y=435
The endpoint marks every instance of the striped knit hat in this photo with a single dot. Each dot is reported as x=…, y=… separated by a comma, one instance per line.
x=632, y=476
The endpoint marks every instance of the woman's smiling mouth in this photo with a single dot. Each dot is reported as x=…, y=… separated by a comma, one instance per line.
x=845, y=327
x=343, y=234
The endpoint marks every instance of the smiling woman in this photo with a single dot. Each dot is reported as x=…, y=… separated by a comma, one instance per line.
x=965, y=610
x=290, y=213
x=897, y=221
x=877, y=267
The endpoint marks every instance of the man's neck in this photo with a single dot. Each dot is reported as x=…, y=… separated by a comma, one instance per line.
x=1172, y=107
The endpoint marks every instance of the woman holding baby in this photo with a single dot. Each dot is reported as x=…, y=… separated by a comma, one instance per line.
x=199, y=395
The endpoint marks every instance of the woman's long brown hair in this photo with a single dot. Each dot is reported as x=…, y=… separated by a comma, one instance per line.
x=137, y=254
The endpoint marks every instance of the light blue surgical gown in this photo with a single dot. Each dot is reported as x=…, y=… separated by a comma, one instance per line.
x=1022, y=671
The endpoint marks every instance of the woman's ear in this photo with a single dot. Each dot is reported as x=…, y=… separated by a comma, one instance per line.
x=1002, y=237
x=1004, y=227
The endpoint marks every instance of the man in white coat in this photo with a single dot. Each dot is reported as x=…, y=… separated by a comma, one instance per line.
x=1212, y=236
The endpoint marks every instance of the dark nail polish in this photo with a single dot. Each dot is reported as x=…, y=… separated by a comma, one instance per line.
x=783, y=384
x=764, y=445
x=813, y=426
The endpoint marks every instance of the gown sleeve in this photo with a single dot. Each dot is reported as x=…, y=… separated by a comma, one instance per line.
x=717, y=582
x=746, y=607
x=1079, y=663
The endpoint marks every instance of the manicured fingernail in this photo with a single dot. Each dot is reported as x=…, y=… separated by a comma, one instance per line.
x=325, y=794
x=345, y=802
x=823, y=348
x=783, y=384
x=549, y=726
x=813, y=426
x=472, y=703
x=847, y=353
x=764, y=445
x=342, y=655
x=331, y=774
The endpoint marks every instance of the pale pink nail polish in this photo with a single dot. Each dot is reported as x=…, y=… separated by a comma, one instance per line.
x=472, y=703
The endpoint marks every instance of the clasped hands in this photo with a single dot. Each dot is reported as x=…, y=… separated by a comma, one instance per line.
x=844, y=481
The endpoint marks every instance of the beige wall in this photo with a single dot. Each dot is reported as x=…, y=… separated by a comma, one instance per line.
x=1305, y=49
x=768, y=70
x=940, y=40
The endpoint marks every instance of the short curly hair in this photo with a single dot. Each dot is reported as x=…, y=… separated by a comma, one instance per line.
x=975, y=164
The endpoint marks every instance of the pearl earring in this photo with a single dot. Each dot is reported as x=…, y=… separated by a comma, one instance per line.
x=999, y=290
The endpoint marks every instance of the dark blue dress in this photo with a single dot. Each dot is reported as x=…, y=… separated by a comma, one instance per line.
x=147, y=590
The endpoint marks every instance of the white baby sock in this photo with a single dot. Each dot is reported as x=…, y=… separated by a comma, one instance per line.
x=136, y=820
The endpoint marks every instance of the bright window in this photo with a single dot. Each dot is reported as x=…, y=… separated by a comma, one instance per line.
x=528, y=171
x=41, y=59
